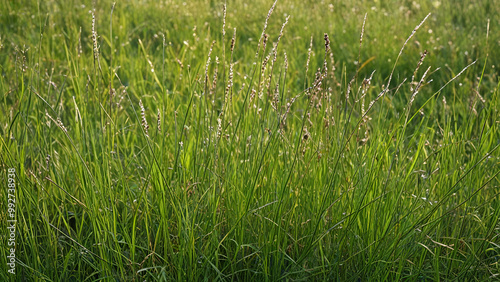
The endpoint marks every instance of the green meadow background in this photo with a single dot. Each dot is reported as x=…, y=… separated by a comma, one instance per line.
x=164, y=140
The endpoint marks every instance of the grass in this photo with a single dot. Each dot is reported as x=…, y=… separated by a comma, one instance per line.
x=150, y=145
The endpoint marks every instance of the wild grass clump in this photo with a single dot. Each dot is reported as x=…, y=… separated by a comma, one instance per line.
x=313, y=142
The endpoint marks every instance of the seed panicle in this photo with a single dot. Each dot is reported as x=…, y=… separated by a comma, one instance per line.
x=143, y=118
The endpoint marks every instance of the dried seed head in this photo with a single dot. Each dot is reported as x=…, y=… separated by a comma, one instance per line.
x=282, y=29
x=422, y=57
x=275, y=46
x=288, y=106
x=143, y=117
x=327, y=43
x=404, y=44
x=327, y=49
x=366, y=84
x=264, y=43
x=159, y=120
x=309, y=51
x=95, y=38
x=208, y=62
x=61, y=125
x=233, y=40
x=224, y=21
x=264, y=64
x=418, y=86
x=79, y=47
x=219, y=127
x=349, y=89
x=47, y=161
x=306, y=136
x=362, y=30
x=269, y=79
x=58, y=122
x=275, y=101
x=230, y=79
x=214, y=80
x=252, y=96
x=267, y=18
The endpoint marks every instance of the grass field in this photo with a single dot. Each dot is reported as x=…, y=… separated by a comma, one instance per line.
x=300, y=140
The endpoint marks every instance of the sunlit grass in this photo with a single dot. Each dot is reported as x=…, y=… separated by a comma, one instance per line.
x=152, y=144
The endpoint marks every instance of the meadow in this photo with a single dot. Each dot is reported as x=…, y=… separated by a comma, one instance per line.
x=250, y=140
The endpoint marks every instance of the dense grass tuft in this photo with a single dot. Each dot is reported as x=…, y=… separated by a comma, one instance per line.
x=167, y=140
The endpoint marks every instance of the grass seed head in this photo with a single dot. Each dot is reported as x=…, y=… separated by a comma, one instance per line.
x=267, y=18
x=327, y=43
x=422, y=57
x=415, y=91
x=233, y=41
x=143, y=118
x=95, y=37
x=224, y=21
x=208, y=62
x=214, y=80
x=159, y=120
x=264, y=42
